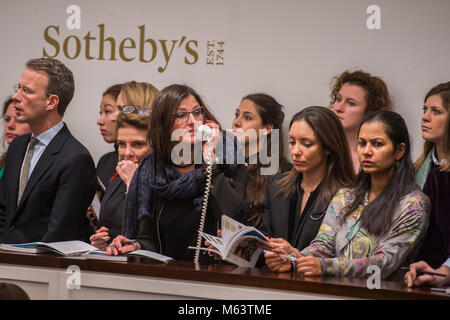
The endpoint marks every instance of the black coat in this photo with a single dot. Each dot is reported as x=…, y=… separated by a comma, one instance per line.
x=106, y=167
x=281, y=217
x=58, y=193
x=113, y=206
x=176, y=223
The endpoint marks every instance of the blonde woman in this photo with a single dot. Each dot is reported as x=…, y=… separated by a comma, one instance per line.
x=134, y=102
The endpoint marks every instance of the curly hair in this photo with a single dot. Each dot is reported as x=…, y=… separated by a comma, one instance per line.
x=376, y=91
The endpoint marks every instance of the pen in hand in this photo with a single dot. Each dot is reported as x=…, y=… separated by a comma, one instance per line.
x=126, y=243
x=422, y=272
x=290, y=257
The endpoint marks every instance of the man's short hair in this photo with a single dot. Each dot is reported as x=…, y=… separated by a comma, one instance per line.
x=60, y=80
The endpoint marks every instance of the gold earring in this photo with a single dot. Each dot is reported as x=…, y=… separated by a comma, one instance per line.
x=397, y=163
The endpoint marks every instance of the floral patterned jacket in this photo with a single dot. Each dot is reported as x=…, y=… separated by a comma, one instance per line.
x=345, y=248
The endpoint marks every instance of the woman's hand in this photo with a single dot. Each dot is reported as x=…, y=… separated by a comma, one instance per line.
x=100, y=238
x=273, y=260
x=412, y=279
x=116, y=248
x=210, y=246
x=209, y=147
x=281, y=246
x=309, y=265
x=276, y=263
x=126, y=169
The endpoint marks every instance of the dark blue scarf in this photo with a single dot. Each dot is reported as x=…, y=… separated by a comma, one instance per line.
x=155, y=178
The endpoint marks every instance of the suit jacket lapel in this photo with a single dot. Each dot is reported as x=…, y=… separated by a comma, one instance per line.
x=111, y=189
x=45, y=161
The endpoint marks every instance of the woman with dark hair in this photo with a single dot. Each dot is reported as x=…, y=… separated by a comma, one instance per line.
x=381, y=218
x=131, y=130
x=297, y=200
x=258, y=121
x=165, y=199
x=107, y=122
x=435, y=114
x=12, y=128
x=354, y=96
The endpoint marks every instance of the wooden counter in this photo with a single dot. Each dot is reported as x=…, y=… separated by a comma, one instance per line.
x=45, y=276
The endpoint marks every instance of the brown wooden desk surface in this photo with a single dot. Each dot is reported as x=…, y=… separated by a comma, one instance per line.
x=231, y=275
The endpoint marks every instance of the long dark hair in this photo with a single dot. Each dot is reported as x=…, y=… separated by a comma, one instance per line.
x=162, y=120
x=329, y=131
x=271, y=112
x=376, y=217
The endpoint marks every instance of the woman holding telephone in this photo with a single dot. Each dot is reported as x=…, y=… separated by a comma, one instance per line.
x=164, y=209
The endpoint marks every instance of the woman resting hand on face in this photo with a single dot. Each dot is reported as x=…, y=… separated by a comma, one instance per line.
x=131, y=137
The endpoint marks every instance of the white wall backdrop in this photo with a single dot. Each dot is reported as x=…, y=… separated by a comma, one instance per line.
x=289, y=49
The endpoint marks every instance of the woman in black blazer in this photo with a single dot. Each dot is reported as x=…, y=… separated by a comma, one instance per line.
x=297, y=200
x=134, y=102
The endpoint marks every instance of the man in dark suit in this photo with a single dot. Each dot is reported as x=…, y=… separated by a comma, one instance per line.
x=49, y=178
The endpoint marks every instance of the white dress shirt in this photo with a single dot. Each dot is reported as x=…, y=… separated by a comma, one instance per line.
x=43, y=141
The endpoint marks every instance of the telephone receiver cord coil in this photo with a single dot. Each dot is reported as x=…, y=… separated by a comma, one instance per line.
x=203, y=213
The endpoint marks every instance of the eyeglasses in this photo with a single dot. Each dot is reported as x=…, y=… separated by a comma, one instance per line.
x=25, y=91
x=137, y=109
x=183, y=116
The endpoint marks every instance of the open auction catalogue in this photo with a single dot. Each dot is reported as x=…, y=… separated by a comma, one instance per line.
x=64, y=248
x=238, y=244
x=80, y=250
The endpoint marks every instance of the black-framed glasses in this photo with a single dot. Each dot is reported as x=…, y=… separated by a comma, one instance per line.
x=183, y=116
x=136, y=109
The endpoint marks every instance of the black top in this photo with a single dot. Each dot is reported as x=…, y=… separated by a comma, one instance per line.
x=176, y=223
x=282, y=219
x=436, y=246
x=113, y=207
x=106, y=166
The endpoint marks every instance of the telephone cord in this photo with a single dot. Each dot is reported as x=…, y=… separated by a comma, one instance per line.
x=204, y=208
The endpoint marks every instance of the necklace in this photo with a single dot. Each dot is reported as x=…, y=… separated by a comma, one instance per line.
x=309, y=189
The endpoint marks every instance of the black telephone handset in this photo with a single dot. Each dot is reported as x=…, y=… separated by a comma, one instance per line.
x=204, y=134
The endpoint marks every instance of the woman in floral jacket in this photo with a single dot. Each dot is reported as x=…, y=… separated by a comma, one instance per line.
x=379, y=220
